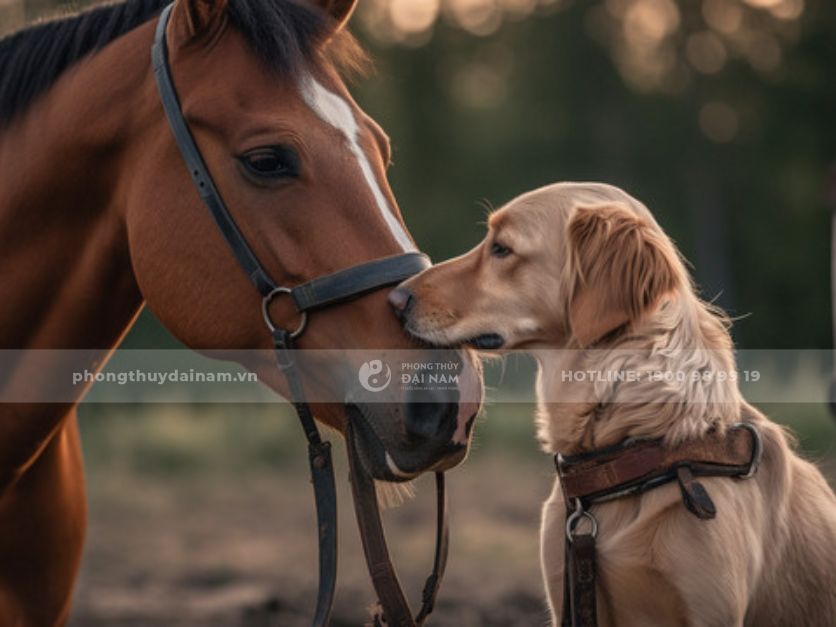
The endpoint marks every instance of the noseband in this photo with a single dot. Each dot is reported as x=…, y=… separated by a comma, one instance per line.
x=318, y=293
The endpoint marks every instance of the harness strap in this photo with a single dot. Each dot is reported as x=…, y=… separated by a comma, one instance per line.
x=322, y=477
x=633, y=467
x=396, y=610
x=579, y=602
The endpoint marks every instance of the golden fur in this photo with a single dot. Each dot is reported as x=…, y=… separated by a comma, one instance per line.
x=590, y=269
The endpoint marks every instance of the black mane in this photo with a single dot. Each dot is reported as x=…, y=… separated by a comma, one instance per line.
x=282, y=33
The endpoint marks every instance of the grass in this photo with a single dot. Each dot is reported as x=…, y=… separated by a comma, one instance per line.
x=166, y=440
x=172, y=440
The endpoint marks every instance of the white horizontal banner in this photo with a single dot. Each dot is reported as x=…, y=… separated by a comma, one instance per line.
x=405, y=376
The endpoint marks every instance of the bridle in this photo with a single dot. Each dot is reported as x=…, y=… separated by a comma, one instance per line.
x=318, y=293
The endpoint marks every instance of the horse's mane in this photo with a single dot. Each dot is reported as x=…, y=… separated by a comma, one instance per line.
x=282, y=33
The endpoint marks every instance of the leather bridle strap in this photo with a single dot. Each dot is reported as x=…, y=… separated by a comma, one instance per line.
x=832, y=197
x=338, y=287
x=194, y=161
x=320, y=292
x=442, y=548
x=322, y=477
x=396, y=611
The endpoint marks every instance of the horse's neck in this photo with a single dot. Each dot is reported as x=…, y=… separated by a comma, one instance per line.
x=67, y=281
x=64, y=257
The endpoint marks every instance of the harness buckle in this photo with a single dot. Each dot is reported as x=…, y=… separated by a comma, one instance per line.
x=757, y=449
x=265, y=312
x=575, y=518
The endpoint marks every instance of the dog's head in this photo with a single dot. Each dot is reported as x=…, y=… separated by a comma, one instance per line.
x=567, y=264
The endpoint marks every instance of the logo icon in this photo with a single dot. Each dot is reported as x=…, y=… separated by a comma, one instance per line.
x=375, y=376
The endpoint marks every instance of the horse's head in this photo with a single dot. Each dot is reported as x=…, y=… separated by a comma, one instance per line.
x=302, y=169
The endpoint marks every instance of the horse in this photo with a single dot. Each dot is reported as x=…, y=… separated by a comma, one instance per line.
x=99, y=218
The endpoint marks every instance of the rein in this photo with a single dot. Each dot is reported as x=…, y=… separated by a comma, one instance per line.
x=318, y=293
x=634, y=467
x=381, y=570
x=832, y=391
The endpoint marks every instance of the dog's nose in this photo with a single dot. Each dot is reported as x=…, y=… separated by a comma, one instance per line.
x=401, y=300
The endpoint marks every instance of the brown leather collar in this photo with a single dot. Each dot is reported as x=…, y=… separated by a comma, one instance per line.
x=637, y=465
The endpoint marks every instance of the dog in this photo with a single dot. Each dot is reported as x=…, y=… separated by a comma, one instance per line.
x=585, y=268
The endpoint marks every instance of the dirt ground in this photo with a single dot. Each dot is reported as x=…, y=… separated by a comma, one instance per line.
x=238, y=547
x=207, y=521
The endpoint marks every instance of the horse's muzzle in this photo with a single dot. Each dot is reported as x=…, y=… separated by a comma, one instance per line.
x=423, y=443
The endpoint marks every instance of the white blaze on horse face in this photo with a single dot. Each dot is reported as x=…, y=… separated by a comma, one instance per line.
x=335, y=111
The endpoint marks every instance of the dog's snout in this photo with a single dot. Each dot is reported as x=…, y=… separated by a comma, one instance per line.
x=402, y=301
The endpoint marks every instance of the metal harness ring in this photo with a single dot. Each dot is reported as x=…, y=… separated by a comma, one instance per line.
x=757, y=449
x=575, y=517
x=265, y=311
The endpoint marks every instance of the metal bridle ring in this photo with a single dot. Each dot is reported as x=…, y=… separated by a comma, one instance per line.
x=575, y=517
x=265, y=311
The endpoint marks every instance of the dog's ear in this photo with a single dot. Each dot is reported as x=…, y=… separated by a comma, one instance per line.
x=621, y=266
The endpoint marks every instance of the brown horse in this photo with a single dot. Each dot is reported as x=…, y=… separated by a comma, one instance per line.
x=98, y=216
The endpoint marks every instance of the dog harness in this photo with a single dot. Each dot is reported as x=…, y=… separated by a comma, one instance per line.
x=632, y=467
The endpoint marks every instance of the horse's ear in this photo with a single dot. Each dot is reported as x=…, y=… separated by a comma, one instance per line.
x=192, y=18
x=339, y=10
x=621, y=267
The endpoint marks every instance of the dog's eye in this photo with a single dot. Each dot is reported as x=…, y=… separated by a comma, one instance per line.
x=500, y=250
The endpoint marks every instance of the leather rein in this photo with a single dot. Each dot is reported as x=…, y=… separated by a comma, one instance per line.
x=318, y=293
x=634, y=467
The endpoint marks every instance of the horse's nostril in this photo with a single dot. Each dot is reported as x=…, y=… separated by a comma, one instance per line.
x=430, y=414
x=401, y=300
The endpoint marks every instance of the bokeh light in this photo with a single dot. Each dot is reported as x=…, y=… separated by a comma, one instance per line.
x=656, y=45
x=706, y=52
x=719, y=122
x=413, y=16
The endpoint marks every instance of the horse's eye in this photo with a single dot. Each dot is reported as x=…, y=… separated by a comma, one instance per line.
x=500, y=250
x=271, y=162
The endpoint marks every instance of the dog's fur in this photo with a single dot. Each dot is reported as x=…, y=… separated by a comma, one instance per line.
x=589, y=267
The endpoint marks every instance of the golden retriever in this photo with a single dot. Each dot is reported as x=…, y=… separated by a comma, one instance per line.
x=584, y=267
